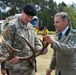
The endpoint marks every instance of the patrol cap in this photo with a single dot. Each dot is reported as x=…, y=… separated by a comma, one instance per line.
x=30, y=9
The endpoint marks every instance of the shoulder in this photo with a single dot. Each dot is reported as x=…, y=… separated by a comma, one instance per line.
x=9, y=23
x=56, y=33
x=11, y=20
x=72, y=38
x=73, y=31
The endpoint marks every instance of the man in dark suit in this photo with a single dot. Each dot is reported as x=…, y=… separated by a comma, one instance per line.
x=64, y=46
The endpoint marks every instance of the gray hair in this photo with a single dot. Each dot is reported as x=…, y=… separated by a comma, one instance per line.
x=64, y=17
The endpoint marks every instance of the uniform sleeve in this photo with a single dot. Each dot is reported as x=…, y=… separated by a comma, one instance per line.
x=7, y=35
x=53, y=61
x=64, y=48
x=38, y=46
x=36, y=43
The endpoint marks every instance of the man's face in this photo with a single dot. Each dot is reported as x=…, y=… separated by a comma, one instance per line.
x=26, y=18
x=59, y=24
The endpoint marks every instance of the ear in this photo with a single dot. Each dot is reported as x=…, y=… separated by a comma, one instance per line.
x=22, y=11
x=66, y=22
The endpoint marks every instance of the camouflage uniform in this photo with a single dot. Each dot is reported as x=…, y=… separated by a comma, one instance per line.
x=14, y=27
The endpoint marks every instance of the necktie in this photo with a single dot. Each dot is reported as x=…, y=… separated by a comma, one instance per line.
x=59, y=36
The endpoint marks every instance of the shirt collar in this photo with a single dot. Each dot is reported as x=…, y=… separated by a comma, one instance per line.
x=63, y=32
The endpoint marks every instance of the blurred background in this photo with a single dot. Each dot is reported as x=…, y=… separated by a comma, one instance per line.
x=46, y=10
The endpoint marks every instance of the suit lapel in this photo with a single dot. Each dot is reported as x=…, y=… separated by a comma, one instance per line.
x=66, y=34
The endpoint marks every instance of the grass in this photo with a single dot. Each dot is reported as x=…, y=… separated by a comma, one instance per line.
x=43, y=62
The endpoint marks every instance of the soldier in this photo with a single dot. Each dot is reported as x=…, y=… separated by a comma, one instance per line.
x=11, y=33
x=64, y=46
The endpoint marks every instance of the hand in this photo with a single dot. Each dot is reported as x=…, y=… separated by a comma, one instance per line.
x=3, y=71
x=45, y=51
x=48, y=72
x=48, y=39
x=14, y=60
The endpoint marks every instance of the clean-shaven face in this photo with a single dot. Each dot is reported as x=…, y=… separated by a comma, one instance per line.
x=59, y=24
x=26, y=18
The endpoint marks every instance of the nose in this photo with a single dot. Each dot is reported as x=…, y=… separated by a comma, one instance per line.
x=54, y=24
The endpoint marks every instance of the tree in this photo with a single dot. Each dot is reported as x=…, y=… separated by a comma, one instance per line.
x=61, y=6
x=72, y=13
x=14, y=6
x=46, y=10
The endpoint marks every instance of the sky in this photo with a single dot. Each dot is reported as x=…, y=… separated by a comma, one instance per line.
x=66, y=1
x=59, y=1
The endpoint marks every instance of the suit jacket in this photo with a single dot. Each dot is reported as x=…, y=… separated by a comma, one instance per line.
x=64, y=57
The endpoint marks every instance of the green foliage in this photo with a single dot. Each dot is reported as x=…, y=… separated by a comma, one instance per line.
x=71, y=10
x=47, y=10
x=46, y=14
x=72, y=13
x=61, y=6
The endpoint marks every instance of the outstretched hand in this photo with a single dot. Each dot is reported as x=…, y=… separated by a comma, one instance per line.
x=48, y=39
x=48, y=71
x=45, y=51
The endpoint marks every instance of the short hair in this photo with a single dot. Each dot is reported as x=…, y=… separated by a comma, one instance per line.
x=64, y=17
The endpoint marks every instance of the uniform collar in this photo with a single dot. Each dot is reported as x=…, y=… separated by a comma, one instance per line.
x=66, y=31
x=22, y=25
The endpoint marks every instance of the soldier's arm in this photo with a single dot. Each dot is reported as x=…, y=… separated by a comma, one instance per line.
x=53, y=61
x=38, y=46
x=7, y=35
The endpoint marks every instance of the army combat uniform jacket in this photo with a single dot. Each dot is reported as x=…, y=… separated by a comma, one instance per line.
x=64, y=57
x=10, y=34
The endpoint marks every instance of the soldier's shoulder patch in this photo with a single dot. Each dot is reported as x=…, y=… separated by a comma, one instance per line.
x=6, y=22
x=72, y=41
x=73, y=31
x=5, y=33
